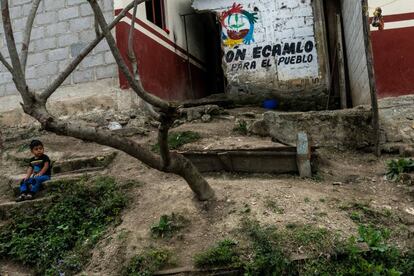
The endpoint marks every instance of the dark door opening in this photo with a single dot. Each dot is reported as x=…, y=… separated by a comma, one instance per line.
x=339, y=88
x=214, y=54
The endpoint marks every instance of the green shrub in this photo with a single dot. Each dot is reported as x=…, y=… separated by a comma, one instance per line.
x=399, y=166
x=58, y=236
x=224, y=254
x=241, y=127
x=168, y=225
x=179, y=139
x=148, y=262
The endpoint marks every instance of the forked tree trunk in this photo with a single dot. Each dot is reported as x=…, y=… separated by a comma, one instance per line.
x=35, y=104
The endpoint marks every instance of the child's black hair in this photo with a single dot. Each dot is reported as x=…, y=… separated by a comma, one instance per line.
x=35, y=143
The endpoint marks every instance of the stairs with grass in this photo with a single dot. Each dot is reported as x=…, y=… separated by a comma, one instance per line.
x=64, y=171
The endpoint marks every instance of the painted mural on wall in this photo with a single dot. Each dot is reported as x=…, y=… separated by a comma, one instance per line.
x=268, y=42
x=237, y=26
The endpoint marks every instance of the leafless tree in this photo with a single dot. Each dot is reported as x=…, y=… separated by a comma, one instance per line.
x=34, y=104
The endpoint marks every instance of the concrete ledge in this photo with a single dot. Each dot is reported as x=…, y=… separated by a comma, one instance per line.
x=343, y=129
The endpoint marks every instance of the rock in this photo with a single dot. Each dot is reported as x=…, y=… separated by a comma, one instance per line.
x=259, y=128
x=114, y=126
x=196, y=113
x=406, y=179
x=406, y=151
x=250, y=115
x=138, y=122
x=410, y=211
x=206, y=118
x=128, y=132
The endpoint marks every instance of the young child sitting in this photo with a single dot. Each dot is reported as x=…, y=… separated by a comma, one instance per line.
x=38, y=172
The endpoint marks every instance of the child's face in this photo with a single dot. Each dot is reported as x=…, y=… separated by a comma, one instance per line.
x=38, y=151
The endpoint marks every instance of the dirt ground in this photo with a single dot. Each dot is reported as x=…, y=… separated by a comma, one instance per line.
x=343, y=178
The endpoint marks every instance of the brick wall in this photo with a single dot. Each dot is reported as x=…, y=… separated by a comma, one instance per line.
x=355, y=51
x=62, y=29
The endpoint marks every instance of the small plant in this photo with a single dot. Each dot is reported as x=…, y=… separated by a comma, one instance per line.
x=179, y=139
x=267, y=256
x=245, y=209
x=273, y=206
x=148, y=262
x=241, y=127
x=224, y=254
x=396, y=167
x=168, y=225
x=307, y=199
x=317, y=177
x=356, y=216
x=375, y=238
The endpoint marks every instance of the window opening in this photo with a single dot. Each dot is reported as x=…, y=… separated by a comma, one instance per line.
x=156, y=13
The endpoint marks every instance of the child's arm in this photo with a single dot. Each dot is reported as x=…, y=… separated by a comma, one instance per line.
x=44, y=169
x=29, y=173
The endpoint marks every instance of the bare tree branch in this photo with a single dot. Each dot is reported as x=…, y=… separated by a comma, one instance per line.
x=131, y=53
x=134, y=63
x=97, y=30
x=18, y=76
x=6, y=64
x=166, y=121
x=137, y=87
x=27, y=34
x=72, y=66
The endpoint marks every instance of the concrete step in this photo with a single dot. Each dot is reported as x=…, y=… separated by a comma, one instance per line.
x=57, y=180
x=61, y=165
x=7, y=207
x=83, y=163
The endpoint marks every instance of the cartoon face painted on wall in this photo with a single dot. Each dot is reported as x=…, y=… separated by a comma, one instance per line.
x=237, y=26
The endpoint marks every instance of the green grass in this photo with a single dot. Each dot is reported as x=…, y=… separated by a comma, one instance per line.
x=241, y=127
x=168, y=225
x=57, y=237
x=225, y=254
x=396, y=167
x=272, y=205
x=268, y=252
x=148, y=262
x=365, y=214
x=179, y=139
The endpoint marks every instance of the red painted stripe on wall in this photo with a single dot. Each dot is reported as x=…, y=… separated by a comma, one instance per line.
x=160, y=36
x=399, y=17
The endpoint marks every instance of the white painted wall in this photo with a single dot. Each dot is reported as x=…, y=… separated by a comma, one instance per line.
x=281, y=25
x=175, y=24
x=390, y=7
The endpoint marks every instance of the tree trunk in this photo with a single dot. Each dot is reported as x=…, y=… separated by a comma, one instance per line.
x=178, y=165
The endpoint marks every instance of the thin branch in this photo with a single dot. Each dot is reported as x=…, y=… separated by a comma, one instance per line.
x=134, y=62
x=27, y=33
x=97, y=30
x=137, y=87
x=18, y=76
x=131, y=53
x=166, y=121
x=6, y=64
x=72, y=66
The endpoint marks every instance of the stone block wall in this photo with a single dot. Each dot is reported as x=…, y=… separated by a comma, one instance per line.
x=62, y=29
x=356, y=52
